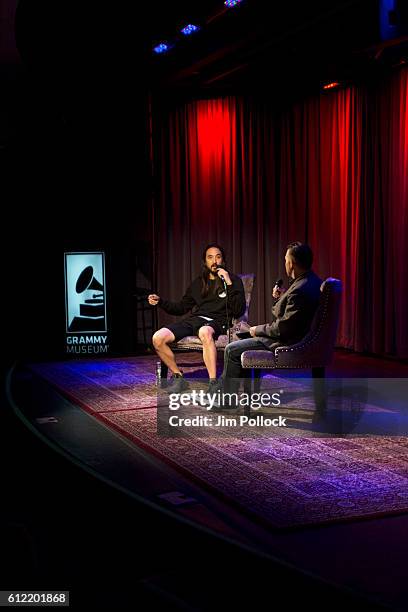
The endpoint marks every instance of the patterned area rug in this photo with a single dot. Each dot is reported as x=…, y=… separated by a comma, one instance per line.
x=107, y=385
x=287, y=481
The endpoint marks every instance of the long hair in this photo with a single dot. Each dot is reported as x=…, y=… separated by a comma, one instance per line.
x=205, y=274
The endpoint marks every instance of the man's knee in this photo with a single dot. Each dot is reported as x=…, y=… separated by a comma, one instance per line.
x=233, y=351
x=161, y=337
x=206, y=334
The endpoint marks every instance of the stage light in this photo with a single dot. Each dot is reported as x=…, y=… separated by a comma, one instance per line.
x=189, y=29
x=332, y=85
x=402, y=61
x=231, y=3
x=161, y=48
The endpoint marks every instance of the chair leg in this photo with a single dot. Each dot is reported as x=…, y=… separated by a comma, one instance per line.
x=247, y=375
x=256, y=376
x=319, y=389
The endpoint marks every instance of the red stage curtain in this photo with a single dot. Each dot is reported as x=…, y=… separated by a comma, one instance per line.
x=320, y=190
x=331, y=170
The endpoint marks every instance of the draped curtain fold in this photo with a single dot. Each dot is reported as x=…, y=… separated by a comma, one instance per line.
x=331, y=170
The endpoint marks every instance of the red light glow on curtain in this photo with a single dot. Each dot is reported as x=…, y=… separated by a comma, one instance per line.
x=215, y=133
x=211, y=159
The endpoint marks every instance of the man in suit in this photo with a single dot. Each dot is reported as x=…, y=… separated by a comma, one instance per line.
x=292, y=314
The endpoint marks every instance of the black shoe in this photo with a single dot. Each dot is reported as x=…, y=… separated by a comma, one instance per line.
x=178, y=384
x=227, y=405
x=221, y=408
x=214, y=385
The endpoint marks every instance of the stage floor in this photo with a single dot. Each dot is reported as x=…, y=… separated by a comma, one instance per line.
x=335, y=553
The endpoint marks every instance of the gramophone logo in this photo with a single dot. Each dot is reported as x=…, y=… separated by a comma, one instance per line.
x=85, y=292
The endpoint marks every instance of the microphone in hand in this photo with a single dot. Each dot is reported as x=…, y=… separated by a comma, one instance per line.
x=221, y=276
x=277, y=290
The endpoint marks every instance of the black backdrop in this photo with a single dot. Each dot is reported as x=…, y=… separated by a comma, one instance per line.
x=75, y=168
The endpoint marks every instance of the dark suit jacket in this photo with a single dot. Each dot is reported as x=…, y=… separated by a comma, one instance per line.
x=293, y=313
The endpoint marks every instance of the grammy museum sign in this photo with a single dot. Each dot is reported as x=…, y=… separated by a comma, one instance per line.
x=85, y=303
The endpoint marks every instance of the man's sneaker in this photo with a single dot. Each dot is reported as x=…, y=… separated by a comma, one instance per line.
x=223, y=406
x=178, y=384
x=214, y=385
x=223, y=402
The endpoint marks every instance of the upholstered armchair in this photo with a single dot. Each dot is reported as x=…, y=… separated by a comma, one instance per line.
x=193, y=343
x=314, y=351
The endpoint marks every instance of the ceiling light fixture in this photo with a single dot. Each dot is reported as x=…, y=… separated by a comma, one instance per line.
x=189, y=29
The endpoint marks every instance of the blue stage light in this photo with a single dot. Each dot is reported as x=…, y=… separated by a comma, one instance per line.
x=189, y=29
x=230, y=3
x=161, y=48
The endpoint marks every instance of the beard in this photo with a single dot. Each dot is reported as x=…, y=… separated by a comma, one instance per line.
x=213, y=268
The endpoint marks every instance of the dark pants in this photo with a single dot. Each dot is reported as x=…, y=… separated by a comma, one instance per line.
x=232, y=356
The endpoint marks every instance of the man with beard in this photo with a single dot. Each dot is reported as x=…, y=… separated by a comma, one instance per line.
x=206, y=297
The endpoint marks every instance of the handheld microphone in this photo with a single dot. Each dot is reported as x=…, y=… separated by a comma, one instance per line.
x=278, y=285
x=220, y=275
